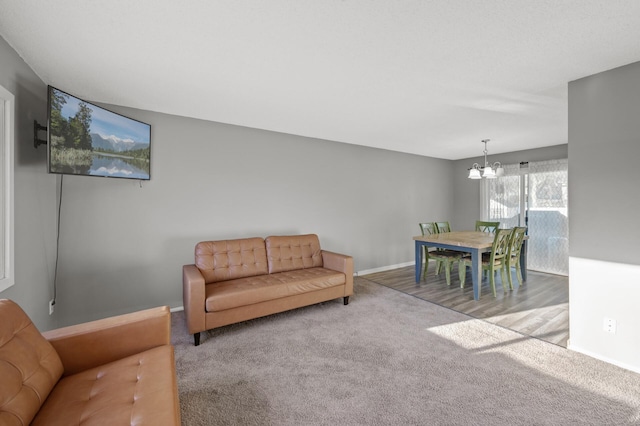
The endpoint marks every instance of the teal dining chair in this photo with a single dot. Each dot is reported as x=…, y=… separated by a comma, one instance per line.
x=493, y=261
x=443, y=227
x=490, y=227
x=444, y=258
x=513, y=256
x=428, y=228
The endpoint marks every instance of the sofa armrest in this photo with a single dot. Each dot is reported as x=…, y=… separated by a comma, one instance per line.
x=341, y=263
x=193, y=298
x=95, y=343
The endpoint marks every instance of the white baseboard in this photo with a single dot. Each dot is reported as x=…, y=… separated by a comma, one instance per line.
x=603, y=358
x=177, y=309
x=384, y=268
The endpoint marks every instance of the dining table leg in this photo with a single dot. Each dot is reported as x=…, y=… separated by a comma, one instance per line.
x=476, y=272
x=418, y=260
x=523, y=260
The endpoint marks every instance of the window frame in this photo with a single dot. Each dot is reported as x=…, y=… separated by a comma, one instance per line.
x=7, y=250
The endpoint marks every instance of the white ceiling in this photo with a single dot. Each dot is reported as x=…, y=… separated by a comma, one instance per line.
x=424, y=77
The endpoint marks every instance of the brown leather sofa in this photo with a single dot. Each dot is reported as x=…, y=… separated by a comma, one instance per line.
x=115, y=371
x=238, y=280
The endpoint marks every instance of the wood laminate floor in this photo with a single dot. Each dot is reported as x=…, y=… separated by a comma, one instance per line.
x=539, y=308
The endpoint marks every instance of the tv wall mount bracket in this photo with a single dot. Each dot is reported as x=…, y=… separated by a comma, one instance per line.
x=36, y=128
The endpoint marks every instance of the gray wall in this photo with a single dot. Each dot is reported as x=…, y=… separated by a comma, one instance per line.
x=604, y=201
x=604, y=129
x=466, y=197
x=122, y=246
x=35, y=193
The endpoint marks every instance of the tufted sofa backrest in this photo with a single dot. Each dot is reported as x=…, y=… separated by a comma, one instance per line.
x=230, y=259
x=29, y=366
x=287, y=253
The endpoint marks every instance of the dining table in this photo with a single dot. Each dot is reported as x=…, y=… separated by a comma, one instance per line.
x=473, y=242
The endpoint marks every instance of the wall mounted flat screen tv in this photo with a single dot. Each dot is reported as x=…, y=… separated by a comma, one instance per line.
x=88, y=140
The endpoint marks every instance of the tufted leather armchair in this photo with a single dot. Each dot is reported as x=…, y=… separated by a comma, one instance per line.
x=115, y=371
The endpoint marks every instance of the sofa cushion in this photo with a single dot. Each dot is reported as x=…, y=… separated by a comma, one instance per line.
x=29, y=366
x=288, y=253
x=133, y=390
x=247, y=291
x=231, y=259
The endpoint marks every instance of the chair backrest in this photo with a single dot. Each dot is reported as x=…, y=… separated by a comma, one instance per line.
x=500, y=247
x=489, y=227
x=428, y=228
x=515, y=243
x=443, y=227
x=293, y=252
x=231, y=259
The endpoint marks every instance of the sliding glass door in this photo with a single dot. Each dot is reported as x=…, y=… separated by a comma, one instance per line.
x=534, y=195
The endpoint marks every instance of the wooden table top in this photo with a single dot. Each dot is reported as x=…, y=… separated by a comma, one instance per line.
x=471, y=239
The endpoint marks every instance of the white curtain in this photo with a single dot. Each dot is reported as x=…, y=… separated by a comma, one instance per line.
x=500, y=197
x=540, y=190
x=548, y=217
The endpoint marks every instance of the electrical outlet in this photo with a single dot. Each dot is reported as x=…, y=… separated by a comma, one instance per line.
x=609, y=325
x=52, y=303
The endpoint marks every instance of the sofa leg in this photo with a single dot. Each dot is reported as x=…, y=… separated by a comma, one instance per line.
x=346, y=300
x=196, y=338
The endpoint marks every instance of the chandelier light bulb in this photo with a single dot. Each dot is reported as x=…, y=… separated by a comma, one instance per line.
x=474, y=173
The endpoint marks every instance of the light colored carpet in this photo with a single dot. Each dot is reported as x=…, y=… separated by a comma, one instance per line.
x=391, y=359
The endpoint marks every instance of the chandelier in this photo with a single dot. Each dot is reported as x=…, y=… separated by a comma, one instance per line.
x=489, y=171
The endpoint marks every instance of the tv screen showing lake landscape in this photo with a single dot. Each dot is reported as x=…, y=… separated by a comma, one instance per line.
x=85, y=139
